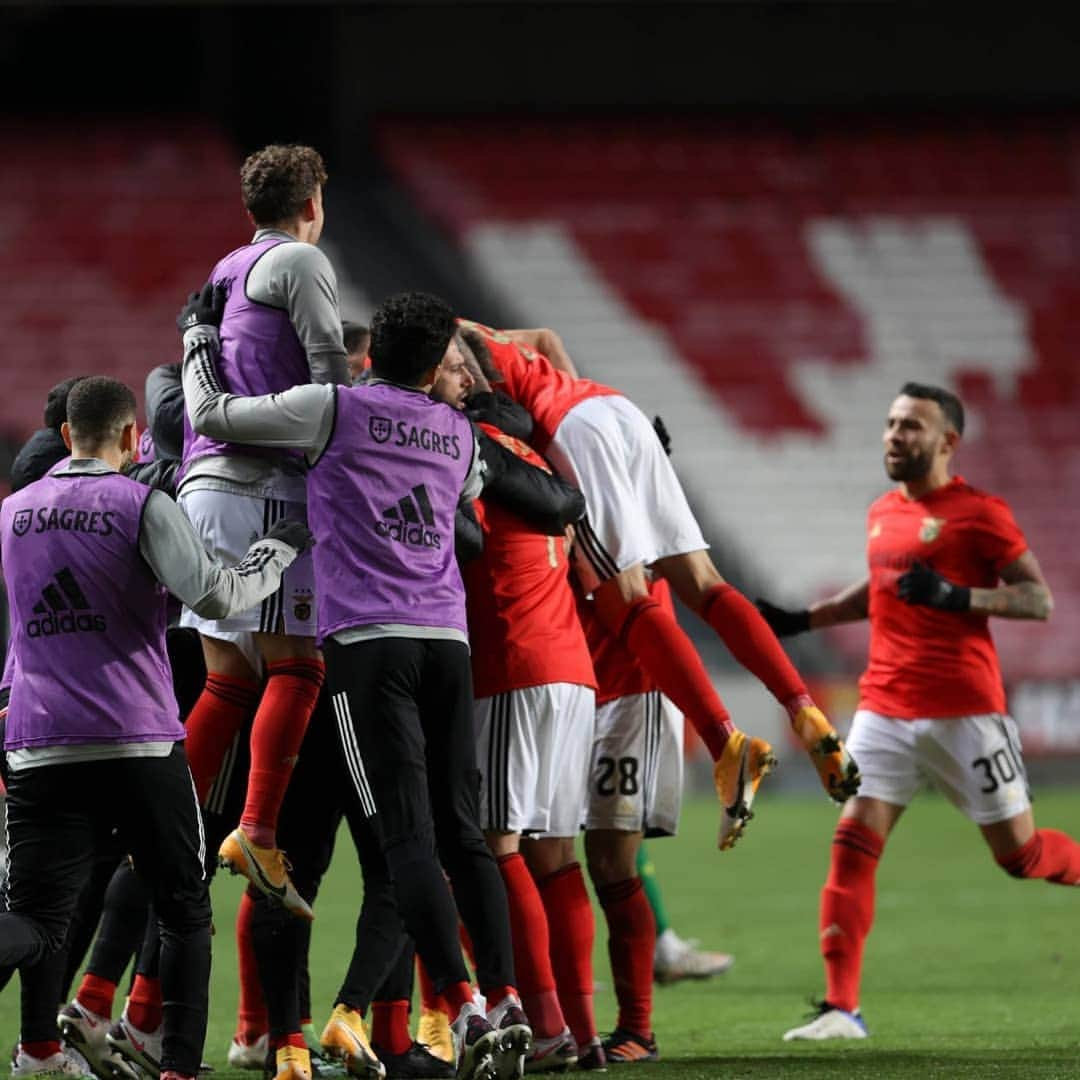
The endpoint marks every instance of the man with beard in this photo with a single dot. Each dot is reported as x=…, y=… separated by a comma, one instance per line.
x=932, y=704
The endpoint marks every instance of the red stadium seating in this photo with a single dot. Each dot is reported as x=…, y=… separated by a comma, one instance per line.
x=701, y=228
x=105, y=228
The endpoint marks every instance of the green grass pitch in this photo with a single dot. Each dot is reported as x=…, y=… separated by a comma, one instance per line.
x=967, y=974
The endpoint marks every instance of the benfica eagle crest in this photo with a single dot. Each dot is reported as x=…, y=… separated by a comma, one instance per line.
x=931, y=529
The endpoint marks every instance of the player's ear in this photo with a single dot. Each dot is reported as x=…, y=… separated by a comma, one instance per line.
x=129, y=438
x=65, y=434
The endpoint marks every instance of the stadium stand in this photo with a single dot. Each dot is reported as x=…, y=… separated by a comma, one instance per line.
x=767, y=290
x=104, y=228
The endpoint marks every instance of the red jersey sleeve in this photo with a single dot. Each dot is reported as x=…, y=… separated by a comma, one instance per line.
x=998, y=539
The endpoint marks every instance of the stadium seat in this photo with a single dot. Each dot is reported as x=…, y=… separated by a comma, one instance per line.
x=109, y=226
x=767, y=291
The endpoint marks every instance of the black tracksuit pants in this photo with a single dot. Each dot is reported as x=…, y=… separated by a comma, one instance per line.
x=404, y=712
x=57, y=816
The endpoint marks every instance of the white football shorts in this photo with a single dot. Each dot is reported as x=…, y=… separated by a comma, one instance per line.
x=533, y=749
x=636, y=511
x=228, y=524
x=636, y=778
x=974, y=760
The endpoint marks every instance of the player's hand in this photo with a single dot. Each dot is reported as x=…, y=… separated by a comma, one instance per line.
x=203, y=308
x=294, y=533
x=782, y=622
x=923, y=585
x=662, y=434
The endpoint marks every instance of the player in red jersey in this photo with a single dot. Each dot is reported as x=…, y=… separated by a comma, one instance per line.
x=932, y=704
x=535, y=708
x=638, y=517
x=635, y=787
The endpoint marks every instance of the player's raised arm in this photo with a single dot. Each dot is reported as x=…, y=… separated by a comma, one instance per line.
x=848, y=605
x=300, y=418
x=549, y=343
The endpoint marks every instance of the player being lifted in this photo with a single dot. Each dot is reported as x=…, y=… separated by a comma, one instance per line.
x=389, y=466
x=638, y=518
x=281, y=328
x=931, y=704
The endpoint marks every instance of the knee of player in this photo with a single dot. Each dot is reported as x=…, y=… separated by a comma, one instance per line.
x=608, y=867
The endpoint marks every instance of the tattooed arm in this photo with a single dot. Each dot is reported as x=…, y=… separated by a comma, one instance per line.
x=1025, y=594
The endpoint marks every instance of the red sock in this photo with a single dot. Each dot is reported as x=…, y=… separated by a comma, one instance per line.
x=41, y=1050
x=572, y=925
x=750, y=640
x=847, y=910
x=96, y=994
x=532, y=959
x=496, y=992
x=457, y=996
x=294, y=1038
x=221, y=711
x=284, y=711
x=390, y=1026
x=1049, y=854
x=252, y=1020
x=428, y=998
x=631, y=945
x=660, y=644
x=144, y=1003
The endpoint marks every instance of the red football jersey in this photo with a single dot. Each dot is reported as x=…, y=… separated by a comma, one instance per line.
x=531, y=380
x=523, y=625
x=618, y=674
x=925, y=662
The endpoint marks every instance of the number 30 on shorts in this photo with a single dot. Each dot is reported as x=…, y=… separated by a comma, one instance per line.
x=617, y=775
x=1000, y=767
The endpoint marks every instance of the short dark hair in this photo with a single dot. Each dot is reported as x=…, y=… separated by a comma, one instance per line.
x=98, y=408
x=56, y=402
x=409, y=335
x=352, y=333
x=946, y=399
x=277, y=180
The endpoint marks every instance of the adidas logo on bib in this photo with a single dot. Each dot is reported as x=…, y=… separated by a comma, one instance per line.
x=409, y=520
x=63, y=609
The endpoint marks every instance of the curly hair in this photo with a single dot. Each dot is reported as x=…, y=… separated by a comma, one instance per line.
x=410, y=333
x=277, y=180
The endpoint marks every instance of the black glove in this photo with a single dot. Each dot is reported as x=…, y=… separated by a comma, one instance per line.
x=294, y=533
x=923, y=585
x=782, y=622
x=662, y=434
x=203, y=308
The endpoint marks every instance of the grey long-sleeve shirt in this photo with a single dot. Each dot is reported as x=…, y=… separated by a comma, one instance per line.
x=299, y=279
x=301, y=418
x=178, y=560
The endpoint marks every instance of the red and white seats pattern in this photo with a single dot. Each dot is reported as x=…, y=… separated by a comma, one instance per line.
x=104, y=229
x=767, y=292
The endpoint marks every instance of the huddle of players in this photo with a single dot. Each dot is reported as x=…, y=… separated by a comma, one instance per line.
x=389, y=482
x=390, y=464
x=384, y=472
